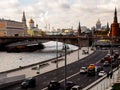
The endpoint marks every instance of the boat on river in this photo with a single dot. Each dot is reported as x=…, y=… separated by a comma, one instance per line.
x=24, y=47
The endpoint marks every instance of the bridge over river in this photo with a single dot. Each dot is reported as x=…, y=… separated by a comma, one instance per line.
x=83, y=41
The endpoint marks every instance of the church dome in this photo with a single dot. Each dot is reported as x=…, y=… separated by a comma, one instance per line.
x=31, y=21
x=98, y=22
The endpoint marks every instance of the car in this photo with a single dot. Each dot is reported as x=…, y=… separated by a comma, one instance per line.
x=106, y=63
x=116, y=55
x=99, y=68
x=28, y=83
x=104, y=48
x=69, y=85
x=54, y=85
x=76, y=87
x=101, y=73
x=115, y=64
x=102, y=60
x=83, y=70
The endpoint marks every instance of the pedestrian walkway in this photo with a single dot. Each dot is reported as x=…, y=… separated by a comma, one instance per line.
x=51, y=65
x=110, y=88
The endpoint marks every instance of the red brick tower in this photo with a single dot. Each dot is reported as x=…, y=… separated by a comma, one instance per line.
x=115, y=25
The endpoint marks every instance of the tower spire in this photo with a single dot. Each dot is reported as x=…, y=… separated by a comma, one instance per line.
x=115, y=16
x=23, y=18
x=24, y=21
x=107, y=26
x=79, y=30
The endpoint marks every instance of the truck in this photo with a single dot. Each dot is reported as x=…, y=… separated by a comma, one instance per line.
x=91, y=70
x=94, y=69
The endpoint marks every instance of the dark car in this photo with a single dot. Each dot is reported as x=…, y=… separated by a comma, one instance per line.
x=102, y=60
x=54, y=85
x=99, y=68
x=115, y=64
x=28, y=83
x=69, y=85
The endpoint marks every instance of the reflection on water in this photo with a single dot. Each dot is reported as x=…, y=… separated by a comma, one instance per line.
x=14, y=60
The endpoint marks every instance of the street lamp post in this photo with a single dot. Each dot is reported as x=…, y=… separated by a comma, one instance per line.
x=65, y=70
x=88, y=43
x=111, y=53
x=57, y=53
x=78, y=47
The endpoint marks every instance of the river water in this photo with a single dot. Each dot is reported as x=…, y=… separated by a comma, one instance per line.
x=10, y=61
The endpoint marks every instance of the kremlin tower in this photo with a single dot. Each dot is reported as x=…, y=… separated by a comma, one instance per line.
x=79, y=30
x=24, y=21
x=115, y=26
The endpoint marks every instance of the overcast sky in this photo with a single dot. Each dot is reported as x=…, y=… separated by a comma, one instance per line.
x=61, y=13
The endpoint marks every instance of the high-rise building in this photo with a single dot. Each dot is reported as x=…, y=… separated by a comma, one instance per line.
x=98, y=25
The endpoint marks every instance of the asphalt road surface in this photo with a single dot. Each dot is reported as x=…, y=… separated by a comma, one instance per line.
x=72, y=73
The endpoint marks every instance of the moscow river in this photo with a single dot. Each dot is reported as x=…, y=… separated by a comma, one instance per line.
x=10, y=61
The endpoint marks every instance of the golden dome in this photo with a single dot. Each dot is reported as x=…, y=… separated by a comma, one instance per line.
x=98, y=21
x=31, y=21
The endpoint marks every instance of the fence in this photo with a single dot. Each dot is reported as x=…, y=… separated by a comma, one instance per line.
x=8, y=81
x=104, y=82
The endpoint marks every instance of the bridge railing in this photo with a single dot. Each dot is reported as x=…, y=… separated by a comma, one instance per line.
x=104, y=82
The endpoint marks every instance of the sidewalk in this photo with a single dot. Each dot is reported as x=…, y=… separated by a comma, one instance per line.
x=109, y=88
x=50, y=65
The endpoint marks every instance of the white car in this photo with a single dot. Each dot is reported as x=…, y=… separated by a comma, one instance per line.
x=101, y=73
x=76, y=87
x=106, y=63
x=83, y=70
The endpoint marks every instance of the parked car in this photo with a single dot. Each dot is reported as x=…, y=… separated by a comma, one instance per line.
x=101, y=73
x=69, y=85
x=83, y=70
x=76, y=87
x=28, y=83
x=54, y=85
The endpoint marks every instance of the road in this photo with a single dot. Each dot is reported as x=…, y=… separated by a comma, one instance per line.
x=72, y=73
